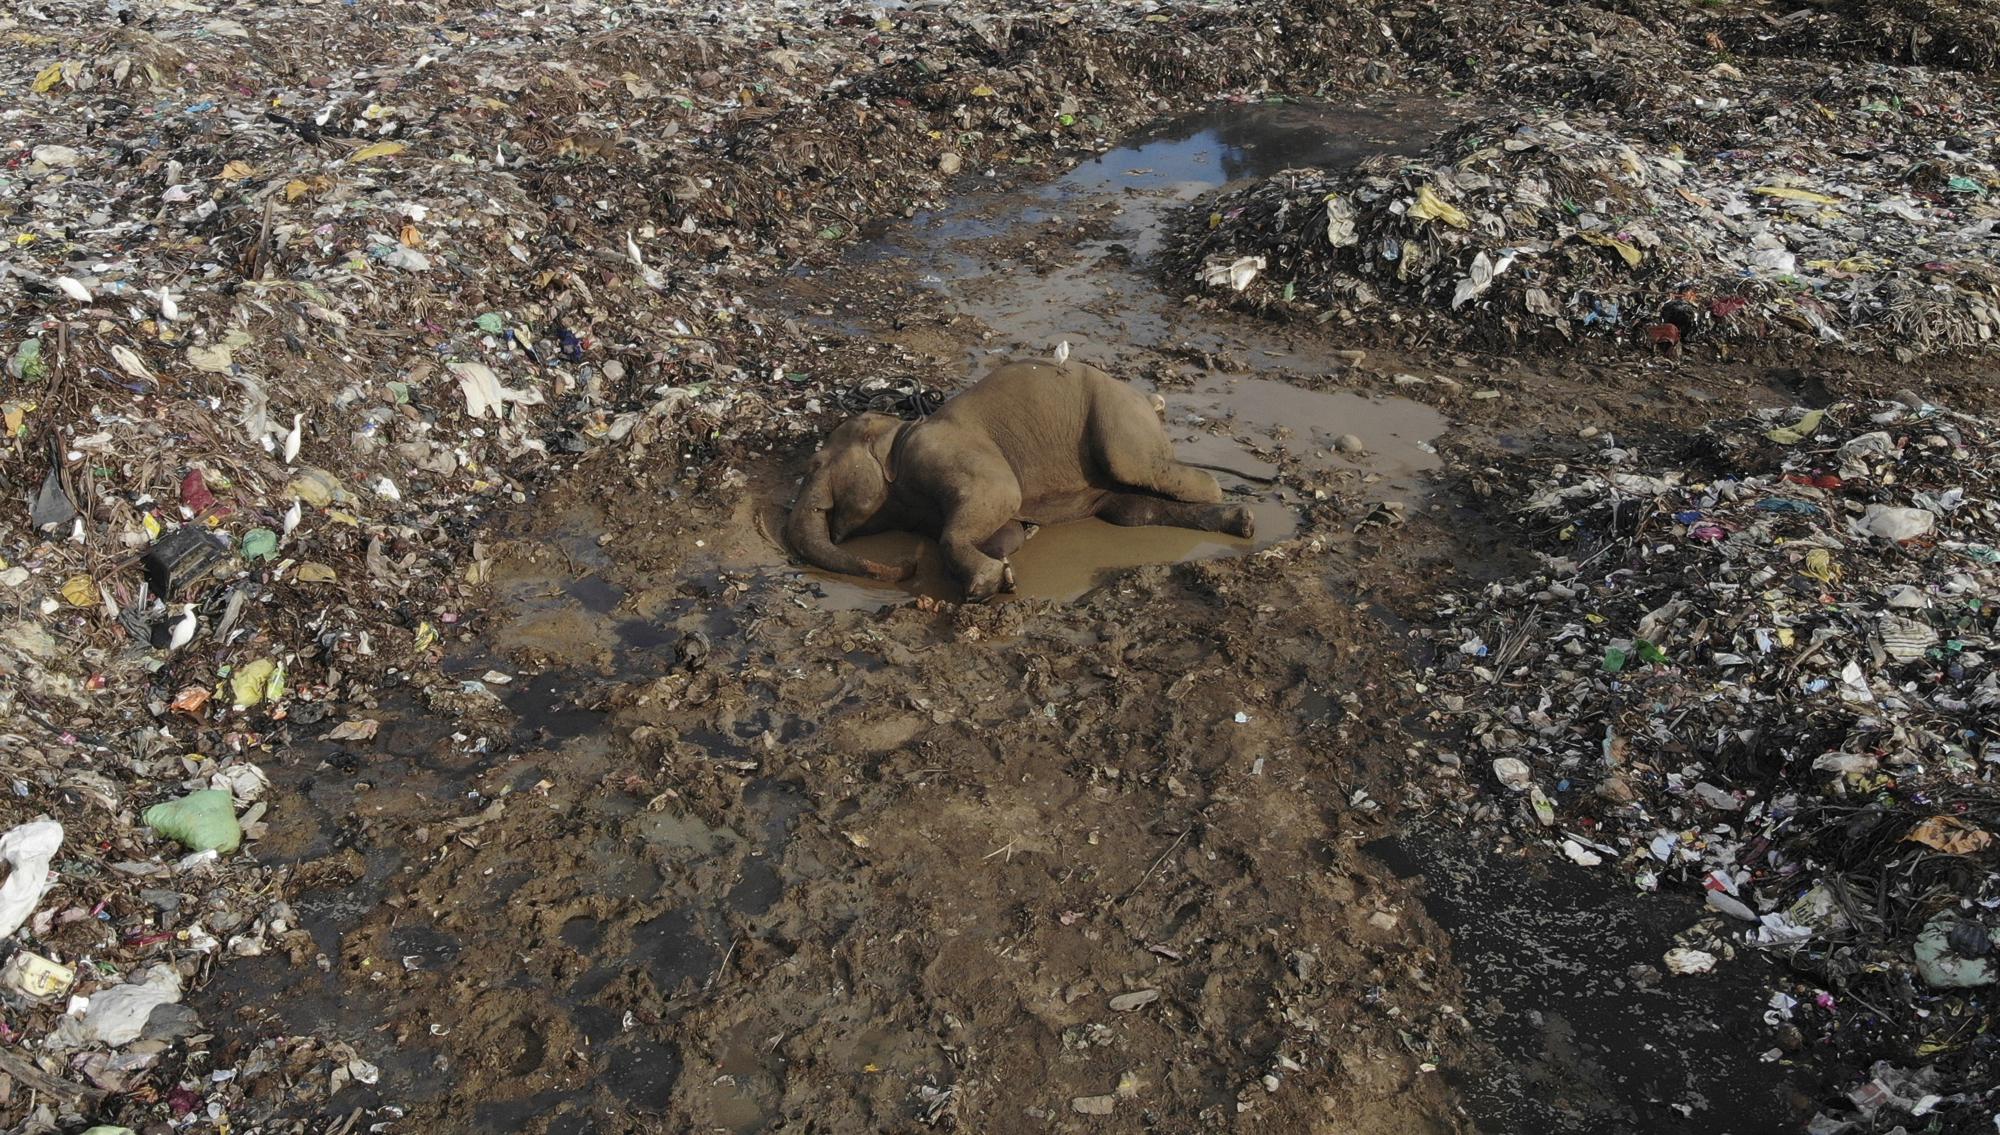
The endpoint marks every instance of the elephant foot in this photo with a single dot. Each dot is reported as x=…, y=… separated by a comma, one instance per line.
x=988, y=580
x=1240, y=521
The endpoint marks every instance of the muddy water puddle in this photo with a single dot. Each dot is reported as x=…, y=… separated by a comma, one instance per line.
x=1245, y=430
x=1103, y=299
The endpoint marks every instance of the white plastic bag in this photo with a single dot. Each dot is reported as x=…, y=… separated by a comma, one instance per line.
x=27, y=851
x=118, y=1015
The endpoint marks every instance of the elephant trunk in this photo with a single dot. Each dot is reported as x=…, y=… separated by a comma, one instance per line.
x=808, y=530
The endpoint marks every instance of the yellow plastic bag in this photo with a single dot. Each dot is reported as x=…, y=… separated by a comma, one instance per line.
x=1430, y=207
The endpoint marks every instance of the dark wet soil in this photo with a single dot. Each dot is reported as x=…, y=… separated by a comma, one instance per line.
x=1564, y=987
x=723, y=844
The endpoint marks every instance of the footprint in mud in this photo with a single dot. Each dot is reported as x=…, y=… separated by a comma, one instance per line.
x=745, y=1093
x=521, y=1049
x=642, y=1074
x=673, y=950
x=760, y=885
x=582, y=933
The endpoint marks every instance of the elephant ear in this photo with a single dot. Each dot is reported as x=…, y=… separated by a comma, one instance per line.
x=887, y=450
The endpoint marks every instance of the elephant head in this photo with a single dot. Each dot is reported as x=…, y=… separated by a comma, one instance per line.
x=847, y=484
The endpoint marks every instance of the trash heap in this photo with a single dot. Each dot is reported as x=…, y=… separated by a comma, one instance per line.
x=1760, y=670
x=1854, y=209
x=1935, y=33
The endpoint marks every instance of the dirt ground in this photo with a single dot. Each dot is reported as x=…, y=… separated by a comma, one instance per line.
x=746, y=848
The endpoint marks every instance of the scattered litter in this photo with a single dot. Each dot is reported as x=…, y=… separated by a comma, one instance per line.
x=1126, y=1002
x=1094, y=1105
x=1786, y=708
x=1581, y=855
x=116, y=1016
x=1685, y=961
x=1594, y=221
x=28, y=974
x=1940, y=962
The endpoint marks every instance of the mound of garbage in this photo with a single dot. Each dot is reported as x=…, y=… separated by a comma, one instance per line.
x=1761, y=669
x=1853, y=212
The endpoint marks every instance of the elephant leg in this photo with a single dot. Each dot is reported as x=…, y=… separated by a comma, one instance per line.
x=974, y=523
x=1136, y=510
x=1006, y=541
x=1136, y=453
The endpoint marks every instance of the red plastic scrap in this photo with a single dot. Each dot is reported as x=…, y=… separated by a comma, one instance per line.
x=195, y=494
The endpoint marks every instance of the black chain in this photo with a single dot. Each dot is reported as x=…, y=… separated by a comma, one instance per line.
x=905, y=398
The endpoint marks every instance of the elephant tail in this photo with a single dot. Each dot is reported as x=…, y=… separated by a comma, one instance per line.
x=1261, y=480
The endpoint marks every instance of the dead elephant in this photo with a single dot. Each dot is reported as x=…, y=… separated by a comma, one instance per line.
x=1033, y=443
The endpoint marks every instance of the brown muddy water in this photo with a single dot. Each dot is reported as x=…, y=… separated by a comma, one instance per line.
x=697, y=840
x=1103, y=302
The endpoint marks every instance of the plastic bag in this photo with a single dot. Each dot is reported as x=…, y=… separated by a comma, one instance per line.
x=118, y=1015
x=27, y=852
x=200, y=821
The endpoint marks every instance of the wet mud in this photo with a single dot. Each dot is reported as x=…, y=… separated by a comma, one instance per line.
x=723, y=844
x=1565, y=988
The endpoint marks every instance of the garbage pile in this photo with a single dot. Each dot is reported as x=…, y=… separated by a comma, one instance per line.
x=1961, y=34
x=1761, y=670
x=1854, y=209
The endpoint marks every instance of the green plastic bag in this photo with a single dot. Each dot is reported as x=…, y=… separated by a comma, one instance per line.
x=200, y=821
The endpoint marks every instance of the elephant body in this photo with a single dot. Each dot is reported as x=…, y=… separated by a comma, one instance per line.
x=1032, y=442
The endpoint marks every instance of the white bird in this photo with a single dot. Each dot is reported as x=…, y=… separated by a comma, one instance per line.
x=75, y=291
x=292, y=516
x=184, y=627
x=652, y=276
x=169, y=309
x=1062, y=352
x=292, y=439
